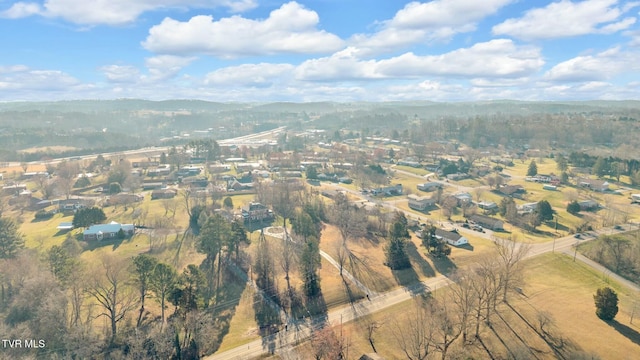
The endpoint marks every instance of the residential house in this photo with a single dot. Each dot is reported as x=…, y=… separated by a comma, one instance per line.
x=487, y=205
x=594, y=184
x=408, y=162
x=429, y=186
x=219, y=168
x=549, y=187
x=144, y=164
x=512, y=190
x=123, y=198
x=107, y=231
x=420, y=203
x=635, y=198
x=248, y=166
x=159, y=171
x=527, y=208
x=153, y=185
x=256, y=212
x=13, y=189
x=331, y=194
x=189, y=171
x=195, y=182
x=463, y=198
x=586, y=205
x=487, y=222
x=392, y=190
x=452, y=238
x=163, y=194
x=457, y=176
x=67, y=205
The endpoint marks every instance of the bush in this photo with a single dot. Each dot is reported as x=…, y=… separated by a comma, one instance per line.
x=43, y=215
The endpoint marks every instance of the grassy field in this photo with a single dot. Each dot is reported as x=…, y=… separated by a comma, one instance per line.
x=564, y=289
x=556, y=287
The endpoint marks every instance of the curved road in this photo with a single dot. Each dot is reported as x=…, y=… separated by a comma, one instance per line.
x=283, y=341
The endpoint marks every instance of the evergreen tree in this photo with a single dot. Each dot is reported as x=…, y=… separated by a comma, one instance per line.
x=163, y=280
x=573, y=207
x=143, y=266
x=89, y=216
x=396, y=253
x=533, y=168
x=10, y=240
x=544, y=210
x=309, y=263
x=606, y=301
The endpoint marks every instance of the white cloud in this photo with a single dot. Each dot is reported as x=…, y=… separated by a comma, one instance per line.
x=437, y=20
x=164, y=67
x=289, y=29
x=343, y=65
x=565, y=19
x=598, y=67
x=499, y=58
x=20, y=10
x=113, y=12
x=250, y=75
x=121, y=73
x=20, y=82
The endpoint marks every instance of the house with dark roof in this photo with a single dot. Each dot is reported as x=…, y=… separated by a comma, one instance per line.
x=392, y=190
x=429, y=186
x=452, y=238
x=512, y=190
x=420, y=203
x=163, y=194
x=487, y=222
x=255, y=211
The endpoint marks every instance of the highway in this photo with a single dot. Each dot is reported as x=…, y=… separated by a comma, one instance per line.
x=149, y=151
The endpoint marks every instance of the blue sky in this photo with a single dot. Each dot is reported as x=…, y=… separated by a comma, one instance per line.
x=337, y=50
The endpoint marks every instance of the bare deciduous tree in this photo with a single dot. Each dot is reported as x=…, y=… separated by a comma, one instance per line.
x=110, y=289
x=414, y=331
x=510, y=256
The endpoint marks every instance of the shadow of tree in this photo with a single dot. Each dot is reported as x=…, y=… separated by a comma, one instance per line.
x=416, y=258
x=626, y=331
x=268, y=320
x=408, y=278
x=317, y=310
x=223, y=311
x=252, y=226
x=443, y=264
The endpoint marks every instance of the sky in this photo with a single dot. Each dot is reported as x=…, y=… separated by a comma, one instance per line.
x=321, y=50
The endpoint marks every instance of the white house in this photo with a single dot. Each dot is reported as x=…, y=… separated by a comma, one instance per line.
x=635, y=198
x=452, y=238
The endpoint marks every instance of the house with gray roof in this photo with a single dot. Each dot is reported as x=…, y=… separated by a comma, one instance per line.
x=107, y=231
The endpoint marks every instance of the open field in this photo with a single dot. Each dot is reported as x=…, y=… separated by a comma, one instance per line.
x=556, y=287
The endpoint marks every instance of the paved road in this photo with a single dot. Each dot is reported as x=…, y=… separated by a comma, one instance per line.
x=283, y=341
x=241, y=140
x=332, y=261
